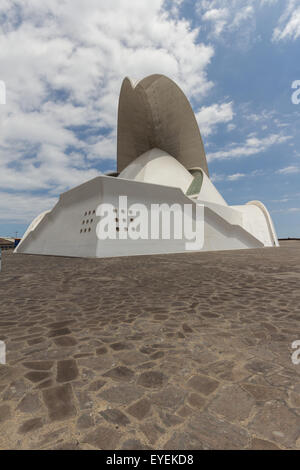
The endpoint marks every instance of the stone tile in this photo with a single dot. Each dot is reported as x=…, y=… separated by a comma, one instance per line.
x=60, y=324
x=59, y=401
x=277, y=423
x=31, y=425
x=152, y=431
x=232, y=403
x=85, y=421
x=294, y=399
x=131, y=358
x=30, y=403
x=37, y=376
x=122, y=394
x=66, y=370
x=203, y=384
x=65, y=341
x=103, y=437
x=115, y=416
x=15, y=390
x=101, y=350
x=140, y=409
x=214, y=433
x=260, y=367
x=169, y=419
x=183, y=441
x=170, y=397
x=96, y=385
x=68, y=446
x=260, y=444
x=84, y=400
x=45, y=384
x=184, y=411
x=134, y=444
x=38, y=365
x=152, y=379
x=59, y=332
x=196, y=401
x=263, y=393
x=120, y=346
x=5, y=413
x=120, y=373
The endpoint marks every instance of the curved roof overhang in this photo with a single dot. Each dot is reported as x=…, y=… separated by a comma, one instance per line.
x=154, y=112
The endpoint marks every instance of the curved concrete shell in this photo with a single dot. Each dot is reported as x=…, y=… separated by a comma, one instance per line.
x=155, y=113
x=158, y=167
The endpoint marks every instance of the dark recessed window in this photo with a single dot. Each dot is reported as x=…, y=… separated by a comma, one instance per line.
x=89, y=229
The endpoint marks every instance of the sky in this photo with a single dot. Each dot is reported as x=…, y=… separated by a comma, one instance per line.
x=63, y=62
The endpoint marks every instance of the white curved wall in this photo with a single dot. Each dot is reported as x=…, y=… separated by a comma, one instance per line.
x=31, y=228
x=255, y=221
x=158, y=167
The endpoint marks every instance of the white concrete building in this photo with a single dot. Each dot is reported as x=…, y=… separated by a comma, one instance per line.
x=161, y=160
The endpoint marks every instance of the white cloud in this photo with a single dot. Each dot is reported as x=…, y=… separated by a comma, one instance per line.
x=289, y=23
x=63, y=64
x=228, y=16
x=209, y=116
x=287, y=210
x=252, y=146
x=218, y=17
x=236, y=176
x=25, y=206
x=289, y=170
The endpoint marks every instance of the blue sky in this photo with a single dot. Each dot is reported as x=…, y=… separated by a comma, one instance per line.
x=63, y=65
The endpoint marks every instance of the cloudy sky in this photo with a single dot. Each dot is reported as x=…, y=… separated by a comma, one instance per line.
x=63, y=62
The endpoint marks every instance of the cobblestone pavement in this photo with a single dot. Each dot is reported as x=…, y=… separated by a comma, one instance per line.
x=184, y=351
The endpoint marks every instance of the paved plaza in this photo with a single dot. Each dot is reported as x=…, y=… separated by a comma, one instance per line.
x=184, y=351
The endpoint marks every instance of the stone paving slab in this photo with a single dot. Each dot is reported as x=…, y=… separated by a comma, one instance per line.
x=184, y=351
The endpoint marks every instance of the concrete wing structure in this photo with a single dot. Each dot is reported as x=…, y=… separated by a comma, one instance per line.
x=161, y=161
x=154, y=112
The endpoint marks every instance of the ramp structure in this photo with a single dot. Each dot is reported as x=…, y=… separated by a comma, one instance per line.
x=160, y=160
